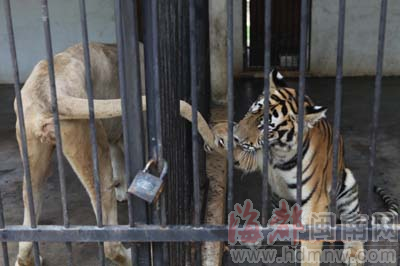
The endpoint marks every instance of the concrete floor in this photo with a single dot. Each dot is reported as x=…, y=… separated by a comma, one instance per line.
x=356, y=118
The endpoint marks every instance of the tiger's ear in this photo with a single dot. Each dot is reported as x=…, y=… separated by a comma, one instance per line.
x=314, y=114
x=276, y=80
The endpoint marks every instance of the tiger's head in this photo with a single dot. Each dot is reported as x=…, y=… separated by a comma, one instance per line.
x=282, y=123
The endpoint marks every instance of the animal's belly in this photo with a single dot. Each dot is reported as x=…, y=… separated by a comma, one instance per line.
x=113, y=128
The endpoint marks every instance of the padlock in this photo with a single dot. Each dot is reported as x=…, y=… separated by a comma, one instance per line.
x=147, y=186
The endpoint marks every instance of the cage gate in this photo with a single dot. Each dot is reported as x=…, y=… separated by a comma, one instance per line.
x=176, y=48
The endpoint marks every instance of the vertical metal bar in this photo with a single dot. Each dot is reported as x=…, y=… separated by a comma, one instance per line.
x=89, y=89
x=194, y=88
x=229, y=4
x=267, y=69
x=131, y=106
x=122, y=85
x=338, y=103
x=54, y=107
x=92, y=123
x=377, y=99
x=4, y=247
x=195, y=144
x=21, y=121
x=293, y=36
x=156, y=81
x=244, y=36
x=151, y=113
x=302, y=85
x=156, y=150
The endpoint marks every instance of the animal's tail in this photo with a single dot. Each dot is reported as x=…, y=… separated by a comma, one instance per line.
x=389, y=202
x=77, y=108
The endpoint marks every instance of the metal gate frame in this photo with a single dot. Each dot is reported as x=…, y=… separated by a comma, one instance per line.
x=159, y=231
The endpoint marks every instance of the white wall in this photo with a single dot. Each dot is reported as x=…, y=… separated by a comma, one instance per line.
x=65, y=27
x=361, y=37
x=218, y=46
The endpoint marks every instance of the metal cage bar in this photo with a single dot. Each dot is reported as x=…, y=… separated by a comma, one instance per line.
x=172, y=233
x=4, y=246
x=129, y=76
x=92, y=125
x=377, y=98
x=338, y=103
x=154, y=127
x=57, y=130
x=230, y=83
x=267, y=68
x=21, y=122
x=195, y=144
x=301, y=91
x=129, y=82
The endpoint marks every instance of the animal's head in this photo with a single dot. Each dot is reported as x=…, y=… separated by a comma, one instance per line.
x=282, y=121
x=249, y=131
x=283, y=118
x=241, y=159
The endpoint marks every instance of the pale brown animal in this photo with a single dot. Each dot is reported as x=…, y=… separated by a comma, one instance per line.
x=73, y=109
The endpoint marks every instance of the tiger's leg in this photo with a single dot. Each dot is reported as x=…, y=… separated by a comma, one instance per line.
x=348, y=207
x=312, y=250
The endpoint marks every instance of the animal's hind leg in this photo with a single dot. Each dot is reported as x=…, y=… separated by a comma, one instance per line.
x=39, y=154
x=349, y=211
x=118, y=165
x=77, y=149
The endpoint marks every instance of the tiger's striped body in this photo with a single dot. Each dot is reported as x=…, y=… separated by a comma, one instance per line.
x=316, y=164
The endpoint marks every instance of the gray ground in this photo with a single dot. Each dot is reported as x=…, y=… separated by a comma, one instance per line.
x=356, y=118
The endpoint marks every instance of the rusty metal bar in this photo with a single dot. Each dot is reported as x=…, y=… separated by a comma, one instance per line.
x=21, y=121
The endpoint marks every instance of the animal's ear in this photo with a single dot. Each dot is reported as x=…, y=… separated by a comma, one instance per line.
x=314, y=114
x=276, y=80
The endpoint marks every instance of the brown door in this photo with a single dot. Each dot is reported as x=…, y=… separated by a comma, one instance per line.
x=285, y=34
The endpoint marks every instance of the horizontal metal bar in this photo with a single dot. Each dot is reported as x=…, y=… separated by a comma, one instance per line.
x=177, y=233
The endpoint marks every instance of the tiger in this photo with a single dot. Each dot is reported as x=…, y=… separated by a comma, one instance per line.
x=316, y=164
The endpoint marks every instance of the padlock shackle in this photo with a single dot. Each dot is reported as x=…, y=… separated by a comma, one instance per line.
x=149, y=163
x=164, y=171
